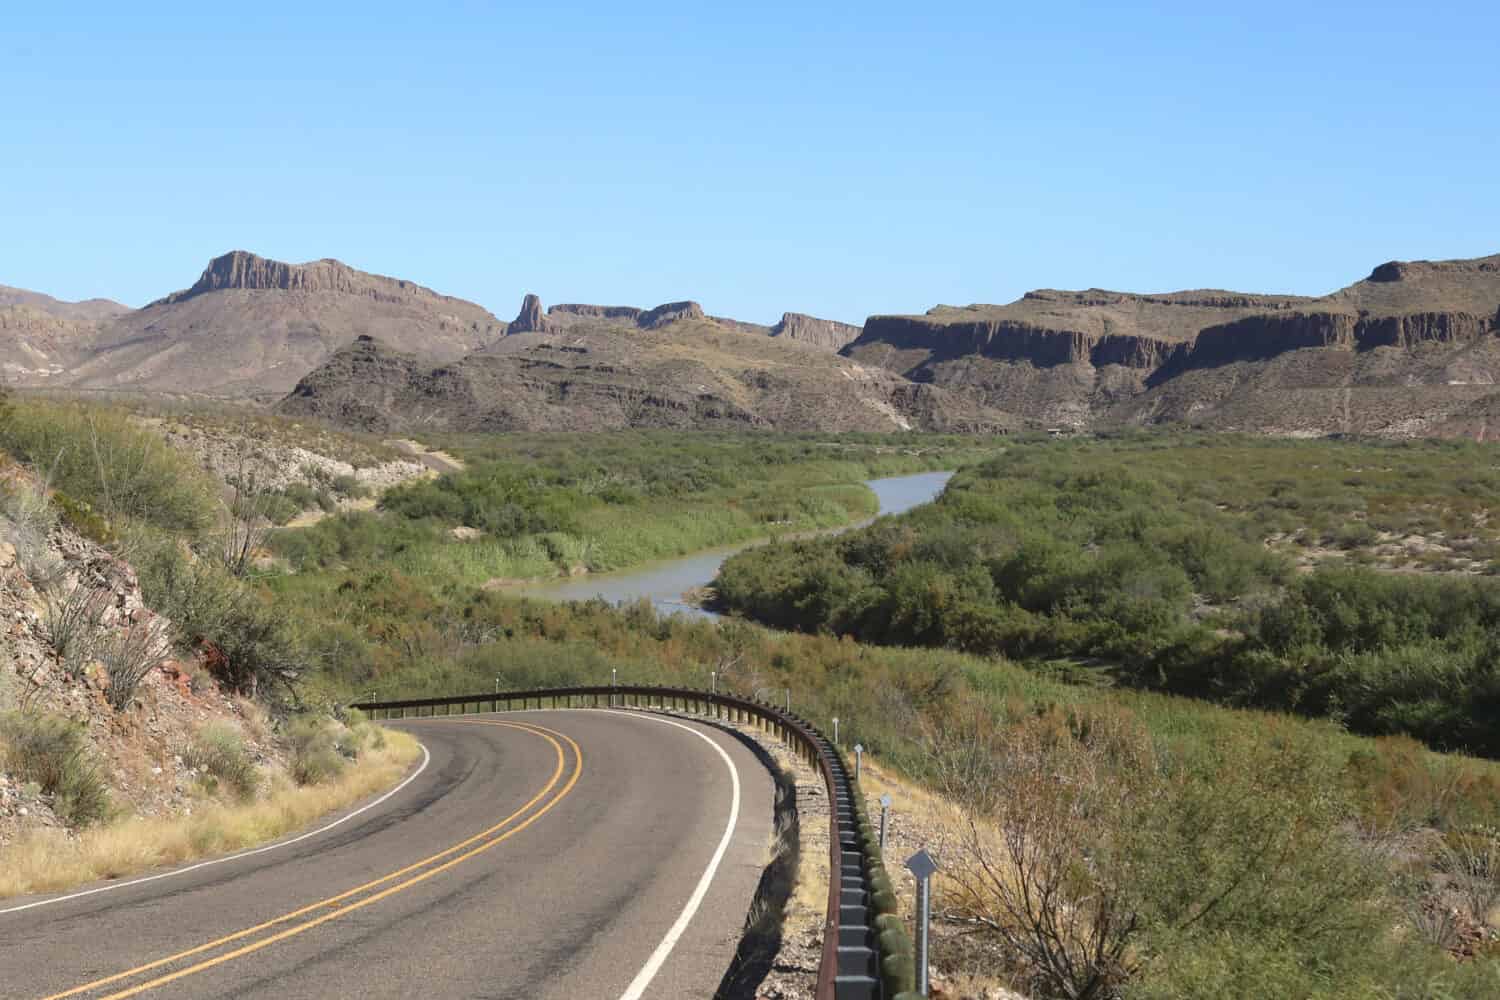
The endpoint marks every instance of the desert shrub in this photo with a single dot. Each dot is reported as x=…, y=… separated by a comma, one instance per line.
x=1103, y=863
x=129, y=655
x=350, y=486
x=219, y=751
x=357, y=734
x=1355, y=535
x=315, y=754
x=207, y=604
x=72, y=621
x=28, y=523
x=82, y=518
x=53, y=752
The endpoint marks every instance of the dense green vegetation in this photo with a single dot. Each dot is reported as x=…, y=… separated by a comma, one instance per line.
x=550, y=504
x=1146, y=561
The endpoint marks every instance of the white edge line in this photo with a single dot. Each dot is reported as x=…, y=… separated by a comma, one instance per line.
x=637, y=987
x=426, y=759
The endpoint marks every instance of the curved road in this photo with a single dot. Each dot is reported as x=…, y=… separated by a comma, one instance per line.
x=556, y=854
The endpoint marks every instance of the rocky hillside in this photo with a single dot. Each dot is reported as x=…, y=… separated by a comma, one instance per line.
x=72, y=613
x=252, y=326
x=595, y=370
x=41, y=337
x=1410, y=350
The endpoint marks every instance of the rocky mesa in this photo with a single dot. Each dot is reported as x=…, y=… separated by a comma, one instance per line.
x=1398, y=353
x=251, y=326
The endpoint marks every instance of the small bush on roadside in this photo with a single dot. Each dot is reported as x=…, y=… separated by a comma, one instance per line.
x=219, y=751
x=52, y=752
x=358, y=733
x=315, y=752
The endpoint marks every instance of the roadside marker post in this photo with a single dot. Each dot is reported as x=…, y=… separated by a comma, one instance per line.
x=859, y=755
x=885, y=815
x=922, y=866
x=835, y=730
x=788, y=701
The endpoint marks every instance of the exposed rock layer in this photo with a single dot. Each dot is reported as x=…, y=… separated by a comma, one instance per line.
x=1218, y=358
x=825, y=333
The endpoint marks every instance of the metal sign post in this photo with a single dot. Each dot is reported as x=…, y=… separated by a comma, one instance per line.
x=788, y=701
x=497, y=685
x=835, y=730
x=885, y=815
x=713, y=680
x=614, y=682
x=922, y=866
x=859, y=755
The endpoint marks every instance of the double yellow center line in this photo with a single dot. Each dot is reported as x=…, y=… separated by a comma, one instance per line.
x=343, y=904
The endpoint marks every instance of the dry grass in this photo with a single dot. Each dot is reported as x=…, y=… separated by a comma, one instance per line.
x=50, y=860
x=924, y=819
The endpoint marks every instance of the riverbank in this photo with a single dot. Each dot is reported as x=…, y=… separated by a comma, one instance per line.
x=682, y=584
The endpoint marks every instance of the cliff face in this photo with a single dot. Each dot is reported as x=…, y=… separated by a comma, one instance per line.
x=825, y=333
x=1097, y=357
x=564, y=312
x=671, y=312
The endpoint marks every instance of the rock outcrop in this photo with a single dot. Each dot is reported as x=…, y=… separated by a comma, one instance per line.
x=1218, y=358
x=671, y=312
x=828, y=334
x=530, y=319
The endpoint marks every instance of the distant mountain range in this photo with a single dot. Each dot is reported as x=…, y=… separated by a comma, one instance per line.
x=1412, y=350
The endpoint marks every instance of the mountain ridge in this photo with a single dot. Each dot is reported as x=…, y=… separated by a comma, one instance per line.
x=1096, y=357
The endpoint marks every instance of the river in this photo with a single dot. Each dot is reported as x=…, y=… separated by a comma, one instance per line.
x=665, y=582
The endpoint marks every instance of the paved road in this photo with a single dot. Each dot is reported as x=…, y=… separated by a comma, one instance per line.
x=546, y=855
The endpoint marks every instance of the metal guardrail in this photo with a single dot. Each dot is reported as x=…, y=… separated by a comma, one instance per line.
x=867, y=954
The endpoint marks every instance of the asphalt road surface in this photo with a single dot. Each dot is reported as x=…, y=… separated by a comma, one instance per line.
x=561, y=854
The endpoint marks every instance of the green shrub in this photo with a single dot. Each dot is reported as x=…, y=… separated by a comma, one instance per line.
x=315, y=754
x=219, y=751
x=53, y=752
x=205, y=603
x=350, y=486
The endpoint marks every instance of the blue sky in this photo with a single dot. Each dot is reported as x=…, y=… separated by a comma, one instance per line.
x=834, y=159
